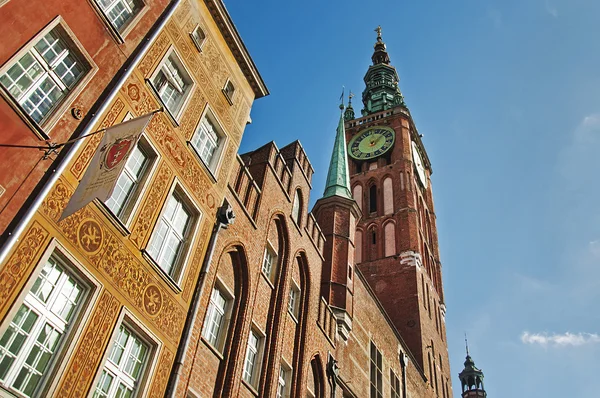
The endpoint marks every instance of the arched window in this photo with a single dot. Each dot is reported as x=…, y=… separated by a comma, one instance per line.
x=297, y=207
x=357, y=194
x=388, y=196
x=389, y=232
x=373, y=198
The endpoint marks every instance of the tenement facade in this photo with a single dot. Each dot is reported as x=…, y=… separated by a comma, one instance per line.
x=96, y=304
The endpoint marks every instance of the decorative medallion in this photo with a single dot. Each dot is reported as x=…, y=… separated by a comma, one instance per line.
x=90, y=236
x=133, y=91
x=210, y=201
x=152, y=300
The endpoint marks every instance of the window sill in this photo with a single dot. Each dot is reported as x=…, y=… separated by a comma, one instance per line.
x=290, y=313
x=167, y=111
x=164, y=276
x=112, y=217
x=250, y=387
x=298, y=228
x=210, y=173
x=212, y=348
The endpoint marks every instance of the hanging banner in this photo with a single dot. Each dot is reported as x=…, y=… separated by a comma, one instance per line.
x=107, y=164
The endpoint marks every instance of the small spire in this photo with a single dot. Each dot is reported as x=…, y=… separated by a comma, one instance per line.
x=349, y=113
x=338, y=176
x=466, y=344
x=378, y=30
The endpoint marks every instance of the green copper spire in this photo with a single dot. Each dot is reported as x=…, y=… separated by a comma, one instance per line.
x=381, y=91
x=338, y=176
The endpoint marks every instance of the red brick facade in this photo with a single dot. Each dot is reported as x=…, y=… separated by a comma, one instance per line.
x=301, y=339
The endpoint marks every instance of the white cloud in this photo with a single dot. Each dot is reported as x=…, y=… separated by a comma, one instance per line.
x=560, y=340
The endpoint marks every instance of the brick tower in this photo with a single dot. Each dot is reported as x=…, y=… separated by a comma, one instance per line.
x=338, y=213
x=396, y=238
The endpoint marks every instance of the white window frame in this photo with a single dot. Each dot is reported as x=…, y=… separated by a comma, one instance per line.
x=59, y=108
x=229, y=298
x=132, y=200
x=196, y=39
x=269, y=271
x=251, y=377
x=213, y=164
x=120, y=32
x=143, y=333
x=284, y=380
x=294, y=298
x=57, y=365
x=177, y=270
x=378, y=383
x=229, y=93
x=171, y=80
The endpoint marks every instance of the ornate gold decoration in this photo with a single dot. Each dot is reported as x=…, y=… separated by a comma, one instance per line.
x=162, y=374
x=156, y=51
x=152, y=300
x=19, y=265
x=190, y=118
x=55, y=203
x=81, y=371
x=86, y=155
x=159, y=186
x=89, y=236
x=182, y=12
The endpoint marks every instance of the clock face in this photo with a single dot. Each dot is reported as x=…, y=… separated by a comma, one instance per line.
x=371, y=143
x=419, y=164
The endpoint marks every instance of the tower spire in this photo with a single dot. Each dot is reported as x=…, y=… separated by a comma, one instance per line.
x=338, y=176
x=382, y=91
x=471, y=378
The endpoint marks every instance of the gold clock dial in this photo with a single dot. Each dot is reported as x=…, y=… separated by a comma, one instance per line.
x=371, y=143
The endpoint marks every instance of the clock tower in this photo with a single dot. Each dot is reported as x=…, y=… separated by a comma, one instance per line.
x=396, y=238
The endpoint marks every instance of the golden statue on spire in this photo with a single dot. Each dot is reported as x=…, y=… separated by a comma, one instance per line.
x=378, y=30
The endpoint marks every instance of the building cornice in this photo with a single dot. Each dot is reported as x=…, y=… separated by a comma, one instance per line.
x=236, y=45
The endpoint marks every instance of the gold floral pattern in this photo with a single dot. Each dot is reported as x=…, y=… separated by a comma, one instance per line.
x=162, y=374
x=152, y=300
x=20, y=263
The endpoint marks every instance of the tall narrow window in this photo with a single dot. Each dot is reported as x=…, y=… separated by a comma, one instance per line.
x=125, y=366
x=170, y=235
x=251, y=362
x=283, y=382
x=376, y=372
x=129, y=183
x=120, y=13
x=215, y=323
x=34, y=338
x=40, y=78
x=296, y=207
x=269, y=260
x=373, y=198
x=172, y=83
x=294, y=300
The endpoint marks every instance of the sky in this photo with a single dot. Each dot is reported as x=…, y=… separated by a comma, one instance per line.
x=507, y=97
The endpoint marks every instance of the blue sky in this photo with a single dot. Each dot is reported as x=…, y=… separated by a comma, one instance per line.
x=507, y=96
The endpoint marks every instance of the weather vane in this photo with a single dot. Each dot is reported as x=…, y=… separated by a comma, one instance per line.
x=378, y=30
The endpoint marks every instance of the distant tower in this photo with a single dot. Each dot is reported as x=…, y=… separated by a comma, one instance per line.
x=471, y=379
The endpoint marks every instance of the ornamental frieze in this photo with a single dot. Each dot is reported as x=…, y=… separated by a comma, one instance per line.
x=20, y=263
x=162, y=374
x=152, y=204
x=107, y=253
x=81, y=371
x=196, y=262
x=155, y=53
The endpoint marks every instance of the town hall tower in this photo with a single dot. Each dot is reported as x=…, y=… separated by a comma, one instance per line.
x=396, y=238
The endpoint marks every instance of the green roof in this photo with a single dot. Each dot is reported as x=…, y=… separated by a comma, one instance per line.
x=338, y=176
